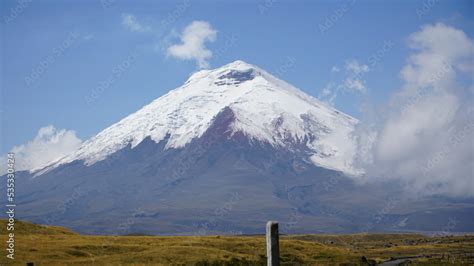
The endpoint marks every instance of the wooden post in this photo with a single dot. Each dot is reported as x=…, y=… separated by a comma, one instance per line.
x=273, y=247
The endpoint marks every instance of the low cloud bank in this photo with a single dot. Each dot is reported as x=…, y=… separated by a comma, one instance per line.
x=425, y=136
x=49, y=144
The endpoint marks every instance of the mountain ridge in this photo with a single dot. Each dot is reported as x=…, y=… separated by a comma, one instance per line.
x=225, y=179
x=267, y=109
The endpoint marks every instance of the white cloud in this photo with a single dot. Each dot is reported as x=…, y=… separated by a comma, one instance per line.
x=351, y=81
x=193, y=40
x=356, y=68
x=49, y=145
x=131, y=23
x=355, y=84
x=426, y=138
x=329, y=94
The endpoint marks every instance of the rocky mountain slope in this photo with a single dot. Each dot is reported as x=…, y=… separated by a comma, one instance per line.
x=230, y=149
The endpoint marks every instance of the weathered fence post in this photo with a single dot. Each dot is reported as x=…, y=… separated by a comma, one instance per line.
x=273, y=247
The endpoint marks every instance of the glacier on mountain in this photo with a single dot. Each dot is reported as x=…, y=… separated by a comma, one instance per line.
x=266, y=109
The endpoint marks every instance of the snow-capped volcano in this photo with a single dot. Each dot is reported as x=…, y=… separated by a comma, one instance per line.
x=266, y=109
x=229, y=150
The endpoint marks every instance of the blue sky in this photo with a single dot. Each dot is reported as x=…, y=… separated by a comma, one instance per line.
x=83, y=41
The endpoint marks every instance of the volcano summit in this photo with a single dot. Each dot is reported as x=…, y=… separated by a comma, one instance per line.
x=230, y=149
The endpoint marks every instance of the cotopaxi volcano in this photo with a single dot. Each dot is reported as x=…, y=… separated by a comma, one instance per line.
x=228, y=150
x=264, y=109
